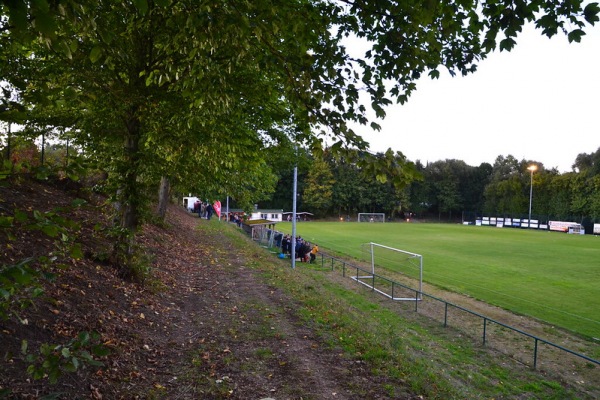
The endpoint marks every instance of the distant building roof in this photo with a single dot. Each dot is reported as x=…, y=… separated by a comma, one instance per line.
x=255, y=222
x=239, y=210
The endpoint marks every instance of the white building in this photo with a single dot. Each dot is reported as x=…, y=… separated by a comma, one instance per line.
x=188, y=202
x=269, y=215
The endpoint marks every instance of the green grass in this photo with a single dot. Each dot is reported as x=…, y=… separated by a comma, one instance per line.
x=551, y=276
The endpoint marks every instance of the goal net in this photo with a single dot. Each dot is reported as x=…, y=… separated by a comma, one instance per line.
x=395, y=273
x=371, y=217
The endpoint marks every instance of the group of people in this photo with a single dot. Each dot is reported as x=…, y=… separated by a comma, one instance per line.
x=304, y=250
x=237, y=219
x=203, y=209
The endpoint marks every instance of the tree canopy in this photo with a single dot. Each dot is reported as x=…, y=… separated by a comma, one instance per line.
x=195, y=91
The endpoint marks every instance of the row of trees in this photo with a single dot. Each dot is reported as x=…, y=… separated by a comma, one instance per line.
x=197, y=95
x=337, y=186
x=445, y=189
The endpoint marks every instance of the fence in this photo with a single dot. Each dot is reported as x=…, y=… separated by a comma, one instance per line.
x=389, y=288
x=440, y=309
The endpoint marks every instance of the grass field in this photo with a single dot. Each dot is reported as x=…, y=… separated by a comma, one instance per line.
x=551, y=276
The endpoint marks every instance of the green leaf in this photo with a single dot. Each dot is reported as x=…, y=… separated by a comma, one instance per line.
x=17, y=12
x=6, y=222
x=95, y=54
x=21, y=216
x=591, y=12
x=100, y=350
x=50, y=230
x=73, y=176
x=66, y=50
x=507, y=44
x=43, y=172
x=21, y=276
x=45, y=24
x=141, y=5
x=434, y=74
x=375, y=126
x=78, y=202
x=5, y=294
x=41, y=5
x=24, y=346
x=84, y=337
x=576, y=35
x=70, y=367
x=76, y=251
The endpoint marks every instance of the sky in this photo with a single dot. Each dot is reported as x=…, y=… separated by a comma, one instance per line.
x=539, y=102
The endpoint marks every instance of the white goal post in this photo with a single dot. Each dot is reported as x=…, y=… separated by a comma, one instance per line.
x=371, y=217
x=394, y=261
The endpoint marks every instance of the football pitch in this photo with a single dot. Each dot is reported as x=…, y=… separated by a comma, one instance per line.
x=551, y=276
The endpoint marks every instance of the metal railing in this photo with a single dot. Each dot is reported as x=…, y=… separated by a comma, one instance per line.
x=389, y=288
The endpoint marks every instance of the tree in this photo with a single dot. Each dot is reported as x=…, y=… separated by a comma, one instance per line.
x=473, y=185
x=282, y=62
x=318, y=189
x=282, y=159
x=589, y=163
x=595, y=198
x=347, y=189
x=560, y=199
x=128, y=90
x=503, y=192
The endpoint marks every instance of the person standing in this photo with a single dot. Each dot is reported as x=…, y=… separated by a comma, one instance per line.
x=209, y=210
x=313, y=253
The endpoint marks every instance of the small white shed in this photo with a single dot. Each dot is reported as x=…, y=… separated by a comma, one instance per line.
x=269, y=215
x=188, y=202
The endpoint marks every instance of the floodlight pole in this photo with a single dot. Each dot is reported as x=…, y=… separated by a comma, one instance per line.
x=293, y=252
x=531, y=168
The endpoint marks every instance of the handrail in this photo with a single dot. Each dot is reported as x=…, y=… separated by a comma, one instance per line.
x=537, y=340
x=420, y=294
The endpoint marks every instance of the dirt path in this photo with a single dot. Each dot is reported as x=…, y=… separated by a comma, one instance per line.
x=249, y=343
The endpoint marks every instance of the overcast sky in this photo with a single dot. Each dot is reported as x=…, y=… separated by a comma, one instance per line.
x=539, y=102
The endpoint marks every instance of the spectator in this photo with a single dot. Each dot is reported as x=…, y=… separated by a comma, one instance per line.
x=286, y=245
x=313, y=253
x=209, y=210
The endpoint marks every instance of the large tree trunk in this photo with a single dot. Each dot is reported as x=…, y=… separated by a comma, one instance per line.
x=130, y=193
x=128, y=200
x=163, y=197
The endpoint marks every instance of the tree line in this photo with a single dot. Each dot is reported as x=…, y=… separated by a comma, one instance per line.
x=444, y=190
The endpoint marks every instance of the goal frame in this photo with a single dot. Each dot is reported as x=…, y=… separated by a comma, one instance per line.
x=382, y=215
x=360, y=279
